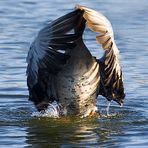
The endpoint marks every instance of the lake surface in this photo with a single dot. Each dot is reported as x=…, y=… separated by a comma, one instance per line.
x=20, y=20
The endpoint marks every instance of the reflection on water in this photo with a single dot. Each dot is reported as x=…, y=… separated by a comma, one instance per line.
x=20, y=20
x=76, y=133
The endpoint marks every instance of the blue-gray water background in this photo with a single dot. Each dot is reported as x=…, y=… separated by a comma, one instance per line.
x=20, y=20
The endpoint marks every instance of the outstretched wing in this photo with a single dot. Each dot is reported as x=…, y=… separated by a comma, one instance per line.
x=44, y=59
x=111, y=85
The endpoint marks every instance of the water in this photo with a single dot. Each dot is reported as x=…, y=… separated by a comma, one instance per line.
x=20, y=20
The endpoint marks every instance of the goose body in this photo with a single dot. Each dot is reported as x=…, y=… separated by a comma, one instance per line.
x=62, y=69
x=78, y=81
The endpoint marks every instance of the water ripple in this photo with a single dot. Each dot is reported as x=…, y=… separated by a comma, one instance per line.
x=20, y=21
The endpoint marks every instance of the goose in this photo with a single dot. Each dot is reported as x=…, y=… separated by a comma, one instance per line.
x=63, y=76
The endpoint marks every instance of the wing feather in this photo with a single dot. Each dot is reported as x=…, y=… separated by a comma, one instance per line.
x=110, y=69
x=44, y=59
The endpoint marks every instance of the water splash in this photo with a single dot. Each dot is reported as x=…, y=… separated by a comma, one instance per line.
x=107, y=108
x=52, y=111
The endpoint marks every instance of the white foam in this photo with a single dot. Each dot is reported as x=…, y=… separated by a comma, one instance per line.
x=107, y=108
x=52, y=111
